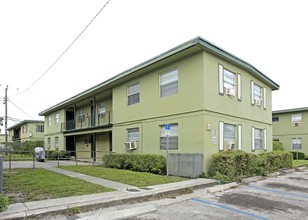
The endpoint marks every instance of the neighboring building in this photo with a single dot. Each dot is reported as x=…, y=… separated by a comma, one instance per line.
x=2, y=141
x=27, y=130
x=213, y=100
x=290, y=127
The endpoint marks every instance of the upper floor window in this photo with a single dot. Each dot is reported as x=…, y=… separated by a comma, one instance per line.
x=296, y=143
x=275, y=119
x=133, y=134
x=49, y=121
x=258, y=95
x=40, y=128
x=102, y=110
x=81, y=115
x=133, y=94
x=229, y=83
x=173, y=137
x=57, y=118
x=296, y=119
x=169, y=83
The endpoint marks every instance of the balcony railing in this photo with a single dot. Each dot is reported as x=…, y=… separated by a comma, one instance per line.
x=85, y=122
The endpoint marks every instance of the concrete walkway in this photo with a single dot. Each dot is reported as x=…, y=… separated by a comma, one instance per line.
x=125, y=194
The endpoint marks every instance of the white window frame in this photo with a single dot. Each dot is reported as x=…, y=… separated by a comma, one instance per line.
x=173, y=137
x=229, y=81
x=296, y=142
x=133, y=94
x=133, y=134
x=57, y=116
x=260, y=136
x=258, y=95
x=227, y=87
x=169, y=80
x=49, y=121
x=102, y=109
x=296, y=119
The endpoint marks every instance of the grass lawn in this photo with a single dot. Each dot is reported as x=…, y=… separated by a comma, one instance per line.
x=300, y=162
x=17, y=157
x=139, y=179
x=23, y=185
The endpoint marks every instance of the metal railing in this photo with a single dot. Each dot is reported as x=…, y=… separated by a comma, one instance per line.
x=102, y=119
x=53, y=158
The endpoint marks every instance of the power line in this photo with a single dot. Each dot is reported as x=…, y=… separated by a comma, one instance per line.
x=20, y=109
x=62, y=54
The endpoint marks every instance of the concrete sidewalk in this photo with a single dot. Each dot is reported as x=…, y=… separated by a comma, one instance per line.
x=125, y=194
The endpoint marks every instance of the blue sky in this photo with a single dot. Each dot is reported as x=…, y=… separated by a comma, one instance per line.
x=270, y=35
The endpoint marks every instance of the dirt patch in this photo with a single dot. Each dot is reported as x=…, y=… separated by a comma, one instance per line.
x=256, y=203
x=287, y=187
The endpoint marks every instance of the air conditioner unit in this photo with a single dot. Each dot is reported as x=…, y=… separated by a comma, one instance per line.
x=231, y=146
x=130, y=145
x=230, y=92
x=296, y=123
x=258, y=102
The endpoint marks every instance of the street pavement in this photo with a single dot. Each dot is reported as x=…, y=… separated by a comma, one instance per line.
x=124, y=194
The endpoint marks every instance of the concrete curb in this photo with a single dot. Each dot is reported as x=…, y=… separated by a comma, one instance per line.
x=221, y=188
x=251, y=179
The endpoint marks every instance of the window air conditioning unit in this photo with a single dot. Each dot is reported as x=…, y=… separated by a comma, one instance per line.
x=258, y=102
x=230, y=92
x=296, y=123
x=231, y=146
x=130, y=145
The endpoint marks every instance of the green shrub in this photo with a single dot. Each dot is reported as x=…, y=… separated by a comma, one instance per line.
x=277, y=146
x=298, y=155
x=53, y=155
x=230, y=166
x=136, y=162
x=4, y=203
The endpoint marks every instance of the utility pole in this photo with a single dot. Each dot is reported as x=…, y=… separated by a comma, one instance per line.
x=5, y=119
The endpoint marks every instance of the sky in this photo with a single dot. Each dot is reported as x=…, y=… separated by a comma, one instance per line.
x=269, y=34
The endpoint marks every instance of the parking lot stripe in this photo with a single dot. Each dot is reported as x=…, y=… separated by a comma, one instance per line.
x=277, y=191
x=228, y=208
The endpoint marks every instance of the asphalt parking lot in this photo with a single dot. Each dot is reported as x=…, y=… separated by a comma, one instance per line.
x=281, y=197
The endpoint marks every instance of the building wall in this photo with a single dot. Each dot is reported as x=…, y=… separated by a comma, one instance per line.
x=53, y=131
x=284, y=130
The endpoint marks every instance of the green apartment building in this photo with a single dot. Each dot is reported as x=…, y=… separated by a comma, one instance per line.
x=26, y=130
x=290, y=127
x=213, y=101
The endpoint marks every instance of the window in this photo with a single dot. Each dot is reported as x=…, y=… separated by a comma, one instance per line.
x=296, y=143
x=258, y=95
x=57, y=142
x=133, y=94
x=173, y=137
x=296, y=120
x=229, y=83
x=49, y=121
x=49, y=142
x=81, y=116
x=40, y=128
x=133, y=134
x=259, y=139
x=230, y=136
x=275, y=119
x=57, y=118
x=169, y=83
x=101, y=110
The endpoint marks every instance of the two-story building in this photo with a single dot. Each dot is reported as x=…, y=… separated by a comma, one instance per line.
x=290, y=127
x=26, y=130
x=213, y=100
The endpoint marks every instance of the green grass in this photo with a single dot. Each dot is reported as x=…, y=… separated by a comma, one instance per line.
x=22, y=185
x=17, y=157
x=139, y=179
x=300, y=163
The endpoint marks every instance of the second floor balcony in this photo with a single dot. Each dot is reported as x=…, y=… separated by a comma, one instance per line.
x=88, y=122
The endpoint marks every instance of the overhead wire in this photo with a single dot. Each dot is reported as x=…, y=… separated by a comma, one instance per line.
x=62, y=54
x=20, y=109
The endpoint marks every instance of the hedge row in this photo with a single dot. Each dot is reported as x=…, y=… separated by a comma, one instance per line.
x=136, y=162
x=233, y=165
x=298, y=155
x=53, y=155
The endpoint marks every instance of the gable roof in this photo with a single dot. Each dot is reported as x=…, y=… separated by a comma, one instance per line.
x=290, y=110
x=25, y=122
x=189, y=47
